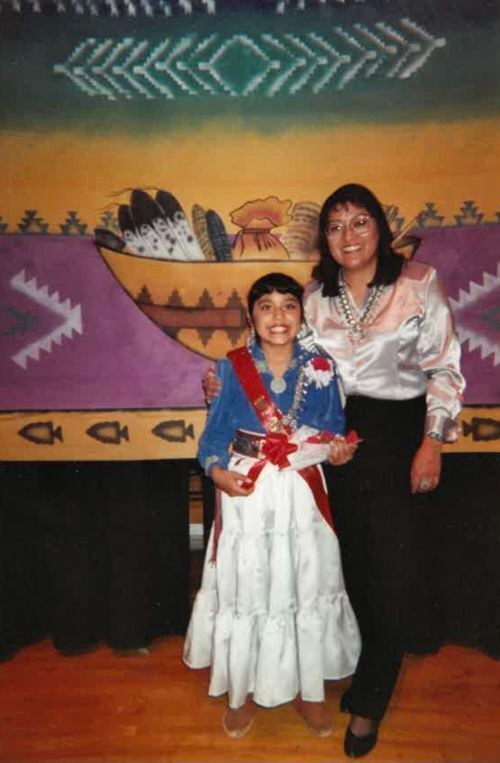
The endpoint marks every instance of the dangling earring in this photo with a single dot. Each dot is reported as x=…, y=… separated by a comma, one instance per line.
x=252, y=337
x=305, y=337
x=302, y=330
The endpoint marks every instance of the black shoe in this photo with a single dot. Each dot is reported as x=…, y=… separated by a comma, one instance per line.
x=356, y=747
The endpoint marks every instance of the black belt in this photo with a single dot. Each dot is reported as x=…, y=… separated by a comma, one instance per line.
x=247, y=443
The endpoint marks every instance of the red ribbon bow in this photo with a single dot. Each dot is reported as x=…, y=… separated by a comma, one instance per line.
x=276, y=448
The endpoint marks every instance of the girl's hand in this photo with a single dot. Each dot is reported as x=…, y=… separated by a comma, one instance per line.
x=232, y=483
x=211, y=384
x=426, y=466
x=341, y=452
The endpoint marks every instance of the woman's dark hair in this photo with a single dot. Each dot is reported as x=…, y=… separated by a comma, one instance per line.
x=275, y=282
x=389, y=264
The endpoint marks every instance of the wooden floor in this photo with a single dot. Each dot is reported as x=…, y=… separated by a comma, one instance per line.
x=102, y=707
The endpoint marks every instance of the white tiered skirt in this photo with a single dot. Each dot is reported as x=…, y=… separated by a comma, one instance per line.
x=272, y=616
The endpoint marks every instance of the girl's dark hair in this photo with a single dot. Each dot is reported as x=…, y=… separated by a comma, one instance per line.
x=274, y=282
x=389, y=264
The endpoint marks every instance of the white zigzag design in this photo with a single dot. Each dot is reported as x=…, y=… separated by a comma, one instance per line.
x=465, y=299
x=72, y=318
x=110, y=8
x=282, y=63
x=98, y=7
x=300, y=5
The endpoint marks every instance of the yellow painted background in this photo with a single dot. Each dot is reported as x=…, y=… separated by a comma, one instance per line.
x=221, y=166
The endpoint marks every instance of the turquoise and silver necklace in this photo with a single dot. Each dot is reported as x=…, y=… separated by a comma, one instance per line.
x=356, y=326
x=278, y=383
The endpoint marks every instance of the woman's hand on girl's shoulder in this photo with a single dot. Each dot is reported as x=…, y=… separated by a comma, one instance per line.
x=232, y=483
x=211, y=384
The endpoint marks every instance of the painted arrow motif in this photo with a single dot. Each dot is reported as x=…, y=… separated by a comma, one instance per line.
x=240, y=65
x=21, y=321
x=71, y=318
x=475, y=311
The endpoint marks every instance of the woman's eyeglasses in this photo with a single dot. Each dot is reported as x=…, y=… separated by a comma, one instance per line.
x=360, y=224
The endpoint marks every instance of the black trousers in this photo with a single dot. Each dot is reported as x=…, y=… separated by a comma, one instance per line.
x=386, y=545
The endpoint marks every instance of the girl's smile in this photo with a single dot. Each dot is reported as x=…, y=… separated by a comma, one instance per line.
x=276, y=318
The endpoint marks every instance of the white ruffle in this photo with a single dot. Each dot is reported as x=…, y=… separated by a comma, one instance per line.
x=272, y=616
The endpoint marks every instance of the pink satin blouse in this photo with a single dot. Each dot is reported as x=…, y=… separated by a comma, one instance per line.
x=410, y=346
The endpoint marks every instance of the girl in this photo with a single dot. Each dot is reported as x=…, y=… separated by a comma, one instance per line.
x=272, y=618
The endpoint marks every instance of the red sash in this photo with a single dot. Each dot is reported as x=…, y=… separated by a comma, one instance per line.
x=276, y=447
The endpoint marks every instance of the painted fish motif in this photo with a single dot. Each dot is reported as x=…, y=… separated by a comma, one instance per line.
x=174, y=430
x=41, y=432
x=108, y=432
x=482, y=429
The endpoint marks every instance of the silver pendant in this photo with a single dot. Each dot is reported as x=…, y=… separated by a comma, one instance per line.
x=278, y=384
x=356, y=332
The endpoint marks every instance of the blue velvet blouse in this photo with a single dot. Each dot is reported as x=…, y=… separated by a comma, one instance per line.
x=320, y=407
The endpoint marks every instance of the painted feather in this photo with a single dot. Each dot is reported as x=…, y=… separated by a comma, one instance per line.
x=218, y=236
x=152, y=226
x=179, y=226
x=134, y=241
x=201, y=232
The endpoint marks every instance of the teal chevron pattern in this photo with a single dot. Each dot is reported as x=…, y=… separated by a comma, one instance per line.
x=165, y=8
x=241, y=65
x=111, y=8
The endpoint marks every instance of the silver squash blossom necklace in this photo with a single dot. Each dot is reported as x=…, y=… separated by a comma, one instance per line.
x=278, y=385
x=356, y=326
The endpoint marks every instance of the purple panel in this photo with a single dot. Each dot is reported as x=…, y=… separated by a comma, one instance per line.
x=98, y=351
x=81, y=343
x=468, y=263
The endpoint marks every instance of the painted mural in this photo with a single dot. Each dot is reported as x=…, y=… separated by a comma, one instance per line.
x=158, y=156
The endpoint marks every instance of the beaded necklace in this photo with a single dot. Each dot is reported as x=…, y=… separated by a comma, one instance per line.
x=278, y=383
x=289, y=418
x=356, y=326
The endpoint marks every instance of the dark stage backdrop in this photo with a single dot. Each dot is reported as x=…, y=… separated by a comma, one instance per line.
x=93, y=552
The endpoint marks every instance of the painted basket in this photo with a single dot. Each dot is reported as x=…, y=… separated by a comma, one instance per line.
x=200, y=304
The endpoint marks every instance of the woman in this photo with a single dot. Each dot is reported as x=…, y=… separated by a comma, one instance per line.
x=272, y=618
x=388, y=325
